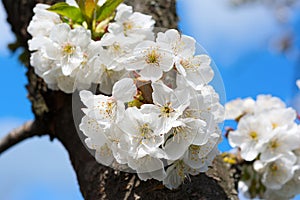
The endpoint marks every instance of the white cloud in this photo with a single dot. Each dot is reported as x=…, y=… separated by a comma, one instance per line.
x=224, y=31
x=6, y=34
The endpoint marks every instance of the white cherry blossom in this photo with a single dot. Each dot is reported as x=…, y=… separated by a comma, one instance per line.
x=279, y=171
x=201, y=156
x=171, y=125
x=150, y=59
x=280, y=117
x=170, y=104
x=239, y=107
x=107, y=110
x=142, y=128
x=43, y=21
x=284, y=140
x=176, y=174
x=97, y=140
x=67, y=46
x=205, y=162
x=196, y=70
x=132, y=24
x=148, y=167
x=51, y=70
x=250, y=136
x=274, y=153
x=182, y=45
x=187, y=132
x=204, y=104
x=87, y=72
x=118, y=47
x=268, y=102
x=44, y=68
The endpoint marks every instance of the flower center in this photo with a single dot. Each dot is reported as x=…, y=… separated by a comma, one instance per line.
x=145, y=131
x=183, y=134
x=68, y=48
x=253, y=135
x=274, y=167
x=274, y=144
x=178, y=45
x=194, y=148
x=110, y=107
x=194, y=151
x=153, y=57
x=274, y=125
x=180, y=169
x=107, y=109
x=108, y=72
x=166, y=110
x=105, y=150
x=186, y=64
x=128, y=26
x=116, y=47
x=85, y=60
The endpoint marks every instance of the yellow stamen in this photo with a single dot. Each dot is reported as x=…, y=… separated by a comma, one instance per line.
x=253, y=135
x=166, y=110
x=274, y=144
x=153, y=57
x=68, y=49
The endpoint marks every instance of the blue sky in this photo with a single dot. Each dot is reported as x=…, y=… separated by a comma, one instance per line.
x=237, y=40
x=240, y=42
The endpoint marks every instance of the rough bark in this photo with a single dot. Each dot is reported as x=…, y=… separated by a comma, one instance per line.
x=54, y=109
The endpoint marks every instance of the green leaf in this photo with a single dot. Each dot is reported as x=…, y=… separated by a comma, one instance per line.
x=68, y=11
x=80, y=3
x=90, y=6
x=87, y=8
x=107, y=9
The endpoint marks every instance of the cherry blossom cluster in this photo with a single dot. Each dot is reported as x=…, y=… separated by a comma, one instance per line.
x=268, y=138
x=173, y=136
x=154, y=112
x=66, y=56
x=161, y=120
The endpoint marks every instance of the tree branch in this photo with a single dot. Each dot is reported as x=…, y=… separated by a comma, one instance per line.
x=27, y=130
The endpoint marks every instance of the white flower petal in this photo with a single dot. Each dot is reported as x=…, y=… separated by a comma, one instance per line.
x=60, y=33
x=161, y=93
x=152, y=73
x=124, y=90
x=80, y=37
x=66, y=84
x=104, y=155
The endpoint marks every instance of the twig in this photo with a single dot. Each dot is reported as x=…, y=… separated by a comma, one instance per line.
x=27, y=130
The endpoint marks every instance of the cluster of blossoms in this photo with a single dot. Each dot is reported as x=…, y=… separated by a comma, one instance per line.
x=67, y=57
x=162, y=118
x=268, y=138
x=156, y=113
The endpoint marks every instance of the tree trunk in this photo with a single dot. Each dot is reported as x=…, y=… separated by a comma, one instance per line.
x=54, y=110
